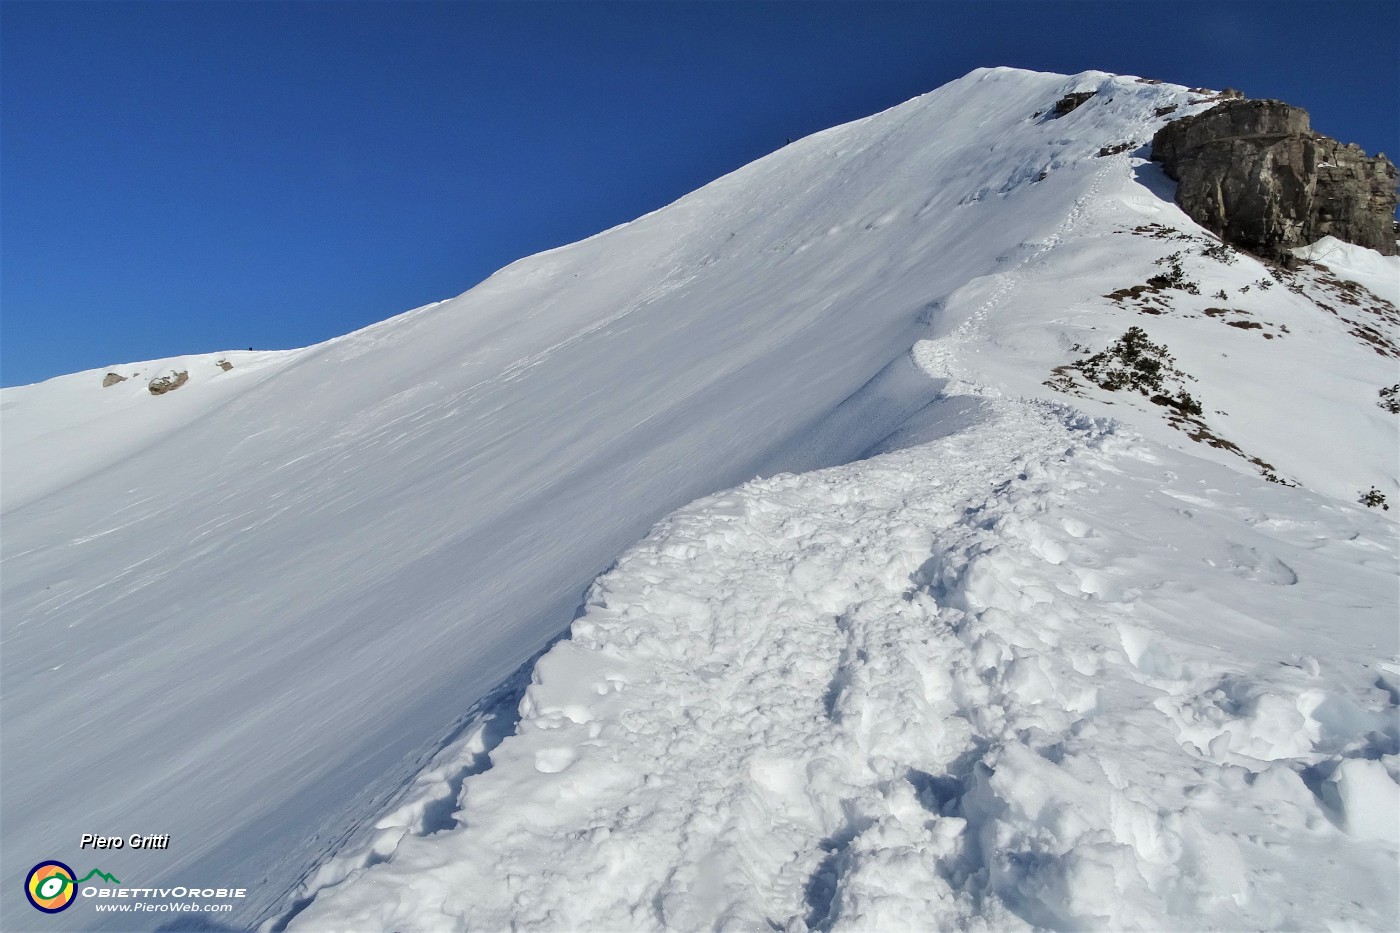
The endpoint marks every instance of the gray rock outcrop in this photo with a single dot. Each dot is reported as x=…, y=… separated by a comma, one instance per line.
x=164, y=384
x=1071, y=102
x=1254, y=172
x=112, y=379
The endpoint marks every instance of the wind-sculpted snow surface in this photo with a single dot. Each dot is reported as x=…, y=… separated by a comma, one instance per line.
x=1034, y=674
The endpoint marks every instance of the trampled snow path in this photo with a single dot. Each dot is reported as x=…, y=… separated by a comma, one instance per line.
x=1013, y=677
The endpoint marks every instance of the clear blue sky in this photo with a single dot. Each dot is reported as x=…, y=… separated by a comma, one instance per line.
x=192, y=177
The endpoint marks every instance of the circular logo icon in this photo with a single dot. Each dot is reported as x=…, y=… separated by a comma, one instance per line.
x=50, y=886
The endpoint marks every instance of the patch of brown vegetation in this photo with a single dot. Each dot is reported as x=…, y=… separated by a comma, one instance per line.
x=1201, y=433
x=1370, y=318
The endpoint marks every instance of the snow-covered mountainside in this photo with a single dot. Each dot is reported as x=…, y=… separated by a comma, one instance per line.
x=1022, y=676
x=1029, y=650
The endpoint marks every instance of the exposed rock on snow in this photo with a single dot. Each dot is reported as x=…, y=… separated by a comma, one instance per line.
x=1071, y=102
x=1254, y=172
x=163, y=384
x=112, y=379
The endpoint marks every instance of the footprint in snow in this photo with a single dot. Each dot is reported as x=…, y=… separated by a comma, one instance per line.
x=554, y=760
x=1248, y=564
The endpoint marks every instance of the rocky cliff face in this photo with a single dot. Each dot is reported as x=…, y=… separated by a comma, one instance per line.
x=1255, y=173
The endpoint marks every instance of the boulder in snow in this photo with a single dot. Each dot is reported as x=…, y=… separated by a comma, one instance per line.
x=163, y=384
x=1071, y=101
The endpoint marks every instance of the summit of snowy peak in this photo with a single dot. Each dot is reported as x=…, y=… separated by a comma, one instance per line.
x=1273, y=369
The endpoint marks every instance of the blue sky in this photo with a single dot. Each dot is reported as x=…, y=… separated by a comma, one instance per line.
x=192, y=177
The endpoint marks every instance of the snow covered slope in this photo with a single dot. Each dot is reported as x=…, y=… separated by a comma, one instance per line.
x=252, y=611
x=1041, y=672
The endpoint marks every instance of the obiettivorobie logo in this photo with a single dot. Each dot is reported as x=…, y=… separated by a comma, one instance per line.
x=51, y=886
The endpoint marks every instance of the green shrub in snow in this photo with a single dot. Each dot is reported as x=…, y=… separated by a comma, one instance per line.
x=1373, y=498
x=1390, y=399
